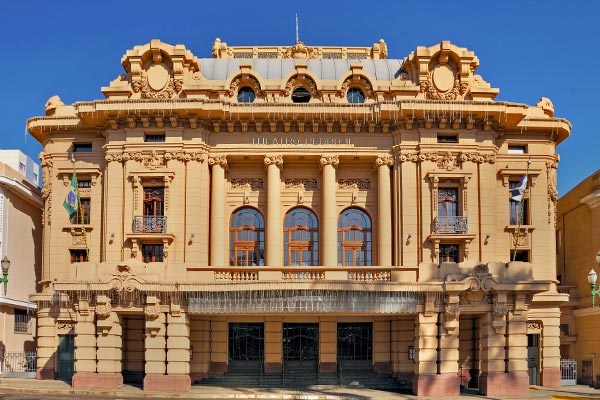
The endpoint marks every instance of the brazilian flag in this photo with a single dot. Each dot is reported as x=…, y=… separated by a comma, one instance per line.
x=71, y=202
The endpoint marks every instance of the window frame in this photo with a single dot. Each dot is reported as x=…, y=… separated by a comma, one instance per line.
x=158, y=257
x=515, y=217
x=22, y=321
x=360, y=251
x=82, y=147
x=246, y=237
x=78, y=255
x=243, y=93
x=155, y=138
x=352, y=93
x=300, y=240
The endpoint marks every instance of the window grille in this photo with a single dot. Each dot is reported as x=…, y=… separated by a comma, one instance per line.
x=22, y=321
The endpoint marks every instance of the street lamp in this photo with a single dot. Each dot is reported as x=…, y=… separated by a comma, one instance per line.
x=592, y=278
x=5, y=263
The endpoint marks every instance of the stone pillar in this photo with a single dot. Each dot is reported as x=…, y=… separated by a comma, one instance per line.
x=218, y=347
x=46, y=344
x=551, y=348
x=518, y=375
x=329, y=211
x=430, y=348
x=274, y=242
x=218, y=224
x=273, y=346
x=384, y=209
x=493, y=379
x=85, y=348
x=155, y=345
x=110, y=342
x=328, y=345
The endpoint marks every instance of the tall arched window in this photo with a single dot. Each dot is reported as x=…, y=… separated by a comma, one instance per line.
x=301, y=238
x=354, y=238
x=247, y=238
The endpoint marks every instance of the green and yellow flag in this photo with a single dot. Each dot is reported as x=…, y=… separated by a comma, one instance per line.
x=71, y=203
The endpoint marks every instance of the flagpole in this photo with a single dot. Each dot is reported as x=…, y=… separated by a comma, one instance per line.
x=520, y=215
x=79, y=211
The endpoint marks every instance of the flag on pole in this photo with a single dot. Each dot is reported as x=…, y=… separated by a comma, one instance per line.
x=516, y=194
x=71, y=203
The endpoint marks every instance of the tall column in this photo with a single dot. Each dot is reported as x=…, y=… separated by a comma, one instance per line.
x=85, y=348
x=155, y=344
x=110, y=343
x=384, y=209
x=551, y=348
x=218, y=225
x=329, y=210
x=46, y=344
x=274, y=243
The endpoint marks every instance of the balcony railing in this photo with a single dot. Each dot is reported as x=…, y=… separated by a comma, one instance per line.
x=149, y=224
x=450, y=225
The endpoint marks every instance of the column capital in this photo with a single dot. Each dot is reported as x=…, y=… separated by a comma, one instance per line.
x=274, y=159
x=332, y=160
x=383, y=160
x=218, y=159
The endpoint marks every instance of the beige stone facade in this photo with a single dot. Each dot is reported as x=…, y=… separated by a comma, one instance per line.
x=270, y=206
x=578, y=242
x=21, y=208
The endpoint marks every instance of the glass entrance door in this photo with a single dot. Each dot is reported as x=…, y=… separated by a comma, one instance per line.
x=301, y=346
x=246, y=346
x=355, y=345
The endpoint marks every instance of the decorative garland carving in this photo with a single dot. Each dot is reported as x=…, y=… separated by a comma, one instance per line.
x=551, y=167
x=301, y=183
x=304, y=81
x=250, y=81
x=247, y=183
x=354, y=183
x=47, y=167
x=357, y=81
x=155, y=157
x=431, y=92
x=447, y=160
x=478, y=158
x=534, y=325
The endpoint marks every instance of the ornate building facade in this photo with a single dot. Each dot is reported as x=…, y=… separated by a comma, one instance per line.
x=300, y=209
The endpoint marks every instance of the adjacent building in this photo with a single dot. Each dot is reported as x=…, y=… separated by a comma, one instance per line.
x=21, y=208
x=300, y=210
x=578, y=246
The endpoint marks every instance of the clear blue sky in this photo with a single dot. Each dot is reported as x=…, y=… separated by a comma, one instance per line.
x=527, y=49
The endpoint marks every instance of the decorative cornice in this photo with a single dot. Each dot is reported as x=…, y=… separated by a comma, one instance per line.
x=153, y=159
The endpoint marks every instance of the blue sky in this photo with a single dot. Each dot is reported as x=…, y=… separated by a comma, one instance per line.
x=527, y=49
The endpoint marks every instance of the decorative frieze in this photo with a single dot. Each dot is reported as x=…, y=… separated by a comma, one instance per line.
x=354, y=183
x=551, y=167
x=301, y=183
x=448, y=160
x=247, y=183
x=154, y=159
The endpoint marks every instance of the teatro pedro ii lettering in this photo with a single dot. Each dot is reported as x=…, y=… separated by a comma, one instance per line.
x=281, y=212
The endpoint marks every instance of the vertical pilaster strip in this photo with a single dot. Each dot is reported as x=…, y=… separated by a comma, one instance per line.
x=110, y=343
x=218, y=224
x=551, y=348
x=85, y=341
x=178, y=343
x=274, y=242
x=384, y=209
x=155, y=341
x=329, y=213
x=46, y=344
x=425, y=352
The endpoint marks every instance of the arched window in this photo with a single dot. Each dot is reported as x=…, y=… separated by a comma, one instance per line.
x=355, y=96
x=247, y=238
x=246, y=95
x=354, y=238
x=301, y=238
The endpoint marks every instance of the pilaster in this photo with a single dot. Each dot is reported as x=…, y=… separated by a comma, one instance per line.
x=110, y=343
x=329, y=223
x=46, y=344
x=85, y=347
x=274, y=254
x=218, y=225
x=384, y=209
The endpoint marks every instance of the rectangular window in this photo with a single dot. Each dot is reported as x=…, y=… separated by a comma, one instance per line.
x=512, y=149
x=449, y=218
x=21, y=167
x=78, y=255
x=152, y=252
x=154, y=138
x=22, y=321
x=447, y=138
x=520, y=255
x=82, y=216
x=82, y=147
x=519, y=210
x=84, y=184
x=449, y=253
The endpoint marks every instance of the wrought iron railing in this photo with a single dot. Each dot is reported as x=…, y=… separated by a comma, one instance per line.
x=19, y=364
x=149, y=224
x=450, y=225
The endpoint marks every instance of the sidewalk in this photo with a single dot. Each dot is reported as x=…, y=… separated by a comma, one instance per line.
x=56, y=387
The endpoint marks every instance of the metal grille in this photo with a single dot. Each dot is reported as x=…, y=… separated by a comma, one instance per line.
x=151, y=224
x=22, y=322
x=19, y=364
x=568, y=372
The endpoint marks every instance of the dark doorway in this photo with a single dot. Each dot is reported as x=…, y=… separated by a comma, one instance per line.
x=355, y=345
x=300, y=346
x=246, y=346
x=469, y=363
x=133, y=349
x=66, y=357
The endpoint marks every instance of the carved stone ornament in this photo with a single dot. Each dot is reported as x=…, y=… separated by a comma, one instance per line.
x=274, y=159
x=354, y=183
x=152, y=310
x=304, y=81
x=157, y=83
x=384, y=160
x=443, y=83
x=247, y=183
x=103, y=309
x=64, y=327
x=241, y=82
x=301, y=183
x=329, y=160
x=357, y=81
x=299, y=50
x=219, y=159
x=124, y=280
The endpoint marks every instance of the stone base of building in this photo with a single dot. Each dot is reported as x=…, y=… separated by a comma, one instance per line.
x=198, y=376
x=328, y=367
x=436, y=385
x=272, y=368
x=217, y=368
x=44, y=374
x=381, y=368
x=93, y=380
x=551, y=377
x=167, y=383
x=509, y=384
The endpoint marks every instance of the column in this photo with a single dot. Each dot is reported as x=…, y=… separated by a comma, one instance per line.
x=46, y=344
x=218, y=225
x=492, y=381
x=274, y=241
x=551, y=348
x=155, y=344
x=329, y=211
x=273, y=345
x=85, y=348
x=384, y=209
x=517, y=348
x=109, y=335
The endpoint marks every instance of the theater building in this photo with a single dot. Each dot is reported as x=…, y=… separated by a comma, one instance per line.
x=300, y=210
